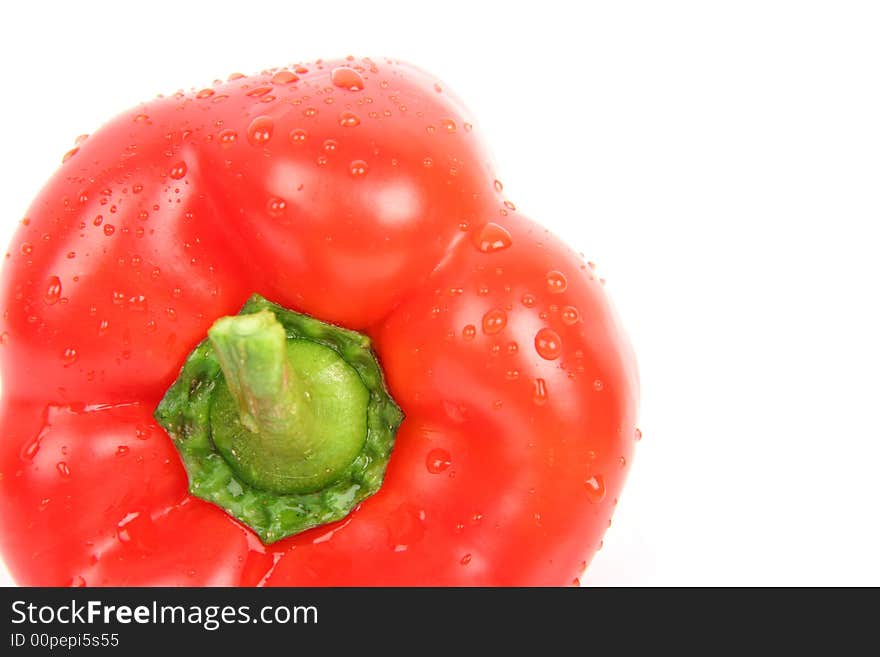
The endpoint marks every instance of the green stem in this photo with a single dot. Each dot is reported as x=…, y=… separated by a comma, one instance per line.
x=252, y=350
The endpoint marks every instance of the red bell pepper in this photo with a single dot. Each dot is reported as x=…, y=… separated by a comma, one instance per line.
x=336, y=194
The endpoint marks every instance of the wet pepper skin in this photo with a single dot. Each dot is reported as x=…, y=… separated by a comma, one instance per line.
x=355, y=191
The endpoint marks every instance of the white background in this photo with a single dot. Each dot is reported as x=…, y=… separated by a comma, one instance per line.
x=720, y=161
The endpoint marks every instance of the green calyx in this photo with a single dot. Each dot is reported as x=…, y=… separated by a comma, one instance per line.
x=281, y=420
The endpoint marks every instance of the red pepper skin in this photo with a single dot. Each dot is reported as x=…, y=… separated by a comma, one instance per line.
x=365, y=202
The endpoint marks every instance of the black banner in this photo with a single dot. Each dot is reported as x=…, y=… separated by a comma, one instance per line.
x=135, y=620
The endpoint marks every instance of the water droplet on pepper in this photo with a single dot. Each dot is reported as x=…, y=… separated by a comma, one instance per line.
x=349, y=119
x=347, y=78
x=260, y=130
x=30, y=450
x=570, y=315
x=493, y=238
x=556, y=282
x=548, y=344
x=137, y=303
x=595, y=488
x=276, y=206
x=227, y=138
x=405, y=527
x=53, y=291
x=284, y=77
x=494, y=321
x=438, y=460
x=259, y=91
x=68, y=356
x=539, y=395
x=177, y=171
x=358, y=168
